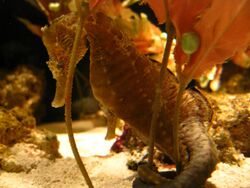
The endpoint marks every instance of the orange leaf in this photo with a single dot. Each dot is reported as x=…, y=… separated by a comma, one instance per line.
x=159, y=9
x=224, y=29
x=184, y=14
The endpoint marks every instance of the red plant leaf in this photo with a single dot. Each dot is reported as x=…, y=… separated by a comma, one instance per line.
x=224, y=28
x=184, y=14
x=159, y=9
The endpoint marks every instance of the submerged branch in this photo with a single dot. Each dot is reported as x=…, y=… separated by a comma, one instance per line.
x=69, y=84
x=156, y=107
x=176, y=126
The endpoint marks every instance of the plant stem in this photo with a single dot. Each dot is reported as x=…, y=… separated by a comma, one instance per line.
x=175, y=132
x=176, y=144
x=156, y=107
x=69, y=83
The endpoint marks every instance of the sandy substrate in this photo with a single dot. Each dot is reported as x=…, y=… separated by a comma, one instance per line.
x=105, y=171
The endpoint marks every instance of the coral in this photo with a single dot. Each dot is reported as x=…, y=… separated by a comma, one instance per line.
x=11, y=129
x=45, y=141
x=22, y=157
x=235, y=80
x=231, y=125
x=20, y=94
x=22, y=146
x=23, y=87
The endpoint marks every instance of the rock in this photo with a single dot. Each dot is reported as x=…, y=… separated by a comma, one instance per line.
x=21, y=88
x=22, y=157
x=22, y=146
x=45, y=141
x=11, y=129
x=231, y=125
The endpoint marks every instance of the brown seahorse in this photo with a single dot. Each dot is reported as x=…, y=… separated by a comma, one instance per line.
x=124, y=80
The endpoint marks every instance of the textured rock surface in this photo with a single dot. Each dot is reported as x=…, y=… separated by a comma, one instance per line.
x=12, y=128
x=23, y=88
x=22, y=146
x=108, y=171
x=231, y=125
x=22, y=157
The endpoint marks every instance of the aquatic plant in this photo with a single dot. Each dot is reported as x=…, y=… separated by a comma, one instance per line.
x=218, y=28
x=205, y=37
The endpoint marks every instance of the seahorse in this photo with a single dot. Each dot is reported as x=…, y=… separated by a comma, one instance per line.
x=124, y=80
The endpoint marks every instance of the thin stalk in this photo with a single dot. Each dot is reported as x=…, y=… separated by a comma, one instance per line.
x=156, y=107
x=175, y=132
x=69, y=83
x=176, y=144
